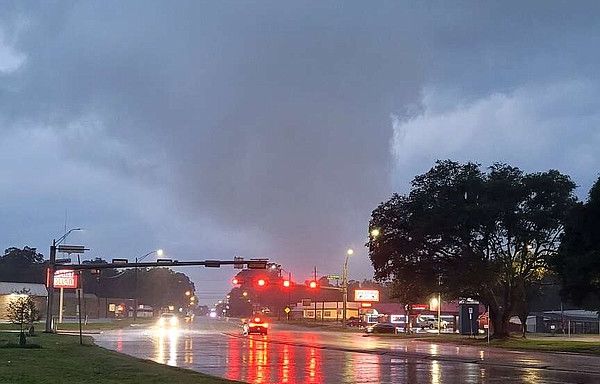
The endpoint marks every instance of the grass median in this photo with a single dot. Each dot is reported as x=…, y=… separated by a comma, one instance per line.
x=62, y=360
x=90, y=327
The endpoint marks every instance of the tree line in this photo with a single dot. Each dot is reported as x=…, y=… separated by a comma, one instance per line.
x=158, y=287
x=497, y=235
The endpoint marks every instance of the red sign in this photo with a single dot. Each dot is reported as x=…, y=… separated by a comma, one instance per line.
x=420, y=307
x=66, y=278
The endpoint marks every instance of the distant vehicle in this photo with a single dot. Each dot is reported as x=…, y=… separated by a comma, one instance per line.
x=257, y=325
x=382, y=328
x=432, y=323
x=354, y=322
x=168, y=319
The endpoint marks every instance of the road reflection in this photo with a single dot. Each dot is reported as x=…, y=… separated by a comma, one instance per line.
x=166, y=339
x=286, y=356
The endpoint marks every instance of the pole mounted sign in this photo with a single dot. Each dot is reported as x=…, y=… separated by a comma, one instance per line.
x=71, y=249
x=368, y=295
x=65, y=278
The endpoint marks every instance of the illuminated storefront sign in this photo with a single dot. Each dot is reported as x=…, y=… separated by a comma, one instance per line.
x=368, y=295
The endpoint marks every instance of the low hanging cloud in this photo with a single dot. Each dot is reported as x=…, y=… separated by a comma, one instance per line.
x=535, y=127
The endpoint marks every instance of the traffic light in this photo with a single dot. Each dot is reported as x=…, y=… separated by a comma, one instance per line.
x=312, y=284
x=286, y=283
x=261, y=282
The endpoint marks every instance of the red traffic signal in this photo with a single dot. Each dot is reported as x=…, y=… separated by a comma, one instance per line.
x=286, y=283
x=312, y=284
x=261, y=282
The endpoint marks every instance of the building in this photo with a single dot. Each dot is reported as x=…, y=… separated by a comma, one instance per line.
x=325, y=310
x=573, y=321
x=9, y=291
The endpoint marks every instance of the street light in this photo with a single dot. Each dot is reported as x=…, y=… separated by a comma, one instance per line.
x=159, y=252
x=52, y=261
x=349, y=253
x=374, y=233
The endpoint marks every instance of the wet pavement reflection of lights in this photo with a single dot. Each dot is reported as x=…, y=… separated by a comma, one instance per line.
x=188, y=347
x=166, y=338
x=120, y=340
x=436, y=375
x=289, y=355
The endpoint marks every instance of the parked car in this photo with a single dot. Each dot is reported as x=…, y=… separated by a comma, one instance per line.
x=382, y=328
x=354, y=322
x=433, y=324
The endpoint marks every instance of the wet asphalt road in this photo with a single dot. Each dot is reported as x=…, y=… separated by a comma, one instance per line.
x=297, y=355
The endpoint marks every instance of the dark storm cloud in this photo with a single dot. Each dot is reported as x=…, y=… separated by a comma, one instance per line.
x=269, y=117
x=264, y=128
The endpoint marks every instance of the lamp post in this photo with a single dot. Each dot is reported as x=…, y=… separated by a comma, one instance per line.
x=159, y=252
x=349, y=253
x=50, y=274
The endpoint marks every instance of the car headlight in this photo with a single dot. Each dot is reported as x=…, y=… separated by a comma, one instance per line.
x=161, y=321
x=173, y=321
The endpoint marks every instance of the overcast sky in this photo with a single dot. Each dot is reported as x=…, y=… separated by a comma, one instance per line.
x=273, y=128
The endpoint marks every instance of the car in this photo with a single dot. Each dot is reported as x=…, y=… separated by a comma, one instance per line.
x=382, y=328
x=168, y=319
x=354, y=322
x=432, y=323
x=258, y=325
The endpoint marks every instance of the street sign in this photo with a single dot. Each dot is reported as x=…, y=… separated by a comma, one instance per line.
x=240, y=262
x=71, y=248
x=287, y=310
x=257, y=264
x=212, y=264
x=333, y=277
x=65, y=278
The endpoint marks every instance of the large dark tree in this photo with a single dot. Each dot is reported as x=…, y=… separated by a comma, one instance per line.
x=578, y=260
x=22, y=265
x=487, y=234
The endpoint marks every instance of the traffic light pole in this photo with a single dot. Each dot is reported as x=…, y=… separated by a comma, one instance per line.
x=50, y=287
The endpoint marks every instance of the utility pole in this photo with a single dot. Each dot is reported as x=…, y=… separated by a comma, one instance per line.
x=439, y=304
x=349, y=252
x=289, y=295
x=135, y=298
x=315, y=294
